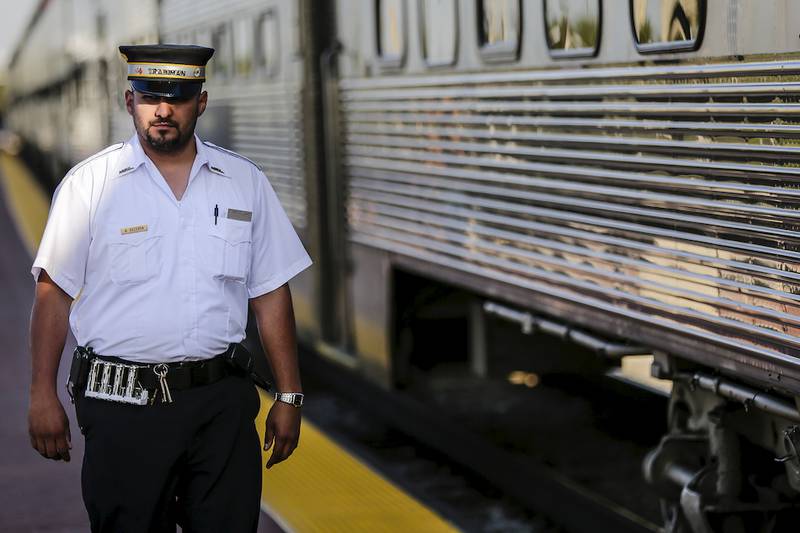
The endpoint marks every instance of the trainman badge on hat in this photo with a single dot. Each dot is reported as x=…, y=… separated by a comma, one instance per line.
x=169, y=70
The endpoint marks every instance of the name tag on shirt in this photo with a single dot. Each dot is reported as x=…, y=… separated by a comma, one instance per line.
x=134, y=229
x=236, y=214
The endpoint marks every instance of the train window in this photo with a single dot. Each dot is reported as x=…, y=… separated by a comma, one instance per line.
x=268, y=52
x=439, y=31
x=572, y=27
x=668, y=25
x=391, y=32
x=76, y=88
x=121, y=81
x=243, y=45
x=499, y=29
x=203, y=37
x=221, y=43
x=101, y=25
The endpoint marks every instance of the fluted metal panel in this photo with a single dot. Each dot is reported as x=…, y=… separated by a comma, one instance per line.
x=263, y=116
x=266, y=126
x=194, y=14
x=664, y=194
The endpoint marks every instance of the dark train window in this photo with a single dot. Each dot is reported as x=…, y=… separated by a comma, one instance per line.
x=572, y=27
x=101, y=25
x=202, y=37
x=668, y=25
x=439, y=31
x=243, y=45
x=221, y=42
x=267, y=37
x=391, y=31
x=499, y=29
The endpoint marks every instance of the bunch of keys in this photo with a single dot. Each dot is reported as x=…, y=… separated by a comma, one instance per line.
x=161, y=371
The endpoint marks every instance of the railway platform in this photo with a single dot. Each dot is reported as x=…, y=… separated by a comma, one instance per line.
x=322, y=487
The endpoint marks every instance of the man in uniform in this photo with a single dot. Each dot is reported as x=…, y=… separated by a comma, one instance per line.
x=152, y=251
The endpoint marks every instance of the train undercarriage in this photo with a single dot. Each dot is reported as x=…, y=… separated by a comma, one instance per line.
x=729, y=462
x=729, y=457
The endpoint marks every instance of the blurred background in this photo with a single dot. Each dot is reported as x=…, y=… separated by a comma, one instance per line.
x=11, y=28
x=555, y=249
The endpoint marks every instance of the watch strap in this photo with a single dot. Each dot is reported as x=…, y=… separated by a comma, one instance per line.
x=292, y=398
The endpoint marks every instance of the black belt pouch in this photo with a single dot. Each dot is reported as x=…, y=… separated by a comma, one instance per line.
x=240, y=358
x=78, y=370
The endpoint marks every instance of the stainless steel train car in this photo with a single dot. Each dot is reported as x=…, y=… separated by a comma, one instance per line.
x=625, y=168
x=619, y=173
x=64, y=76
x=263, y=104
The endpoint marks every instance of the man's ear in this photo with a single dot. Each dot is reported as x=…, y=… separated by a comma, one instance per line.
x=129, y=101
x=202, y=102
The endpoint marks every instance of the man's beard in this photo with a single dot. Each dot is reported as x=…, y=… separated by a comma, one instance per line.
x=167, y=145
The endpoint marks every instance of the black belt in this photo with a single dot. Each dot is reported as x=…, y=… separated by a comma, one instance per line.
x=173, y=376
x=182, y=375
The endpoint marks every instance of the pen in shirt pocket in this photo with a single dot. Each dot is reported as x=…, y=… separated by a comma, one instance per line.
x=216, y=213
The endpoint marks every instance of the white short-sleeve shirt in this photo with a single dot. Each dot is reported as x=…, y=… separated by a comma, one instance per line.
x=157, y=279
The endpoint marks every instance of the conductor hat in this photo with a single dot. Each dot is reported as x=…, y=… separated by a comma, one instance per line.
x=168, y=70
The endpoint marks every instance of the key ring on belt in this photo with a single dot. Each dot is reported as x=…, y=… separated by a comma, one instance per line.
x=161, y=371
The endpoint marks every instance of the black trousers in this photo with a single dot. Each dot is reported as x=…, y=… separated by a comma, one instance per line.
x=196, y=461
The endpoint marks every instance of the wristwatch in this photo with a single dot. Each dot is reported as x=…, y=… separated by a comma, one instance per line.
x=292, y=398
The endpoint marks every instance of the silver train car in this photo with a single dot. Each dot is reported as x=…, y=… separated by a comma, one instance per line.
x=620, y=173
x=65, y=77
x=263, y=104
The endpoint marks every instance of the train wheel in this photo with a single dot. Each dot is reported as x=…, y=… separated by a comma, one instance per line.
x=672, y=517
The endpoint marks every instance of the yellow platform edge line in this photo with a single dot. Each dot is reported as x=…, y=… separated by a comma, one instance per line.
x=323, y=488
x=27, y=203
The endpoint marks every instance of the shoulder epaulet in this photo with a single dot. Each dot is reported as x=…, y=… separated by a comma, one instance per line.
x=234, y=154
x=91, y=158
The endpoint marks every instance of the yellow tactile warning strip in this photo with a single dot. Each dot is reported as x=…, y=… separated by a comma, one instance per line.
x=27, y=202
x=322, y=488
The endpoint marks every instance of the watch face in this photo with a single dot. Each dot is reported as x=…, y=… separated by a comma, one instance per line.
x=298, y=401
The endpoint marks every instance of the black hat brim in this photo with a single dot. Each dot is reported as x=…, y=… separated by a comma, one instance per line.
x=168, y=89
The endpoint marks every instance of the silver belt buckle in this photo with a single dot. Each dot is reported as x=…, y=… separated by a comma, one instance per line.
x=115, y=382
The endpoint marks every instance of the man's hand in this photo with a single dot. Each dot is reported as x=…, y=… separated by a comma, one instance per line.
x=275, y=319
x=283, y=425
x=48, y=427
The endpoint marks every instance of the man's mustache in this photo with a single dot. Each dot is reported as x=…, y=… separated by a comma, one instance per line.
x=164, y=123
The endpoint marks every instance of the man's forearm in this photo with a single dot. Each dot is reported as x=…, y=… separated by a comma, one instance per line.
x=276, y=328
x=48, y=331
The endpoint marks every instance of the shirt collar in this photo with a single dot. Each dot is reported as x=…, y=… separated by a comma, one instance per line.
x=200, y=159
x=133, y=156
x=212, y=157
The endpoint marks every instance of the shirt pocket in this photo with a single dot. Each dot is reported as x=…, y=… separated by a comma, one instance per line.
x=135, y=256
x=232, y=242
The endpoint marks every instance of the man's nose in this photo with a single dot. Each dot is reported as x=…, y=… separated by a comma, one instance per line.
x=164, y=109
